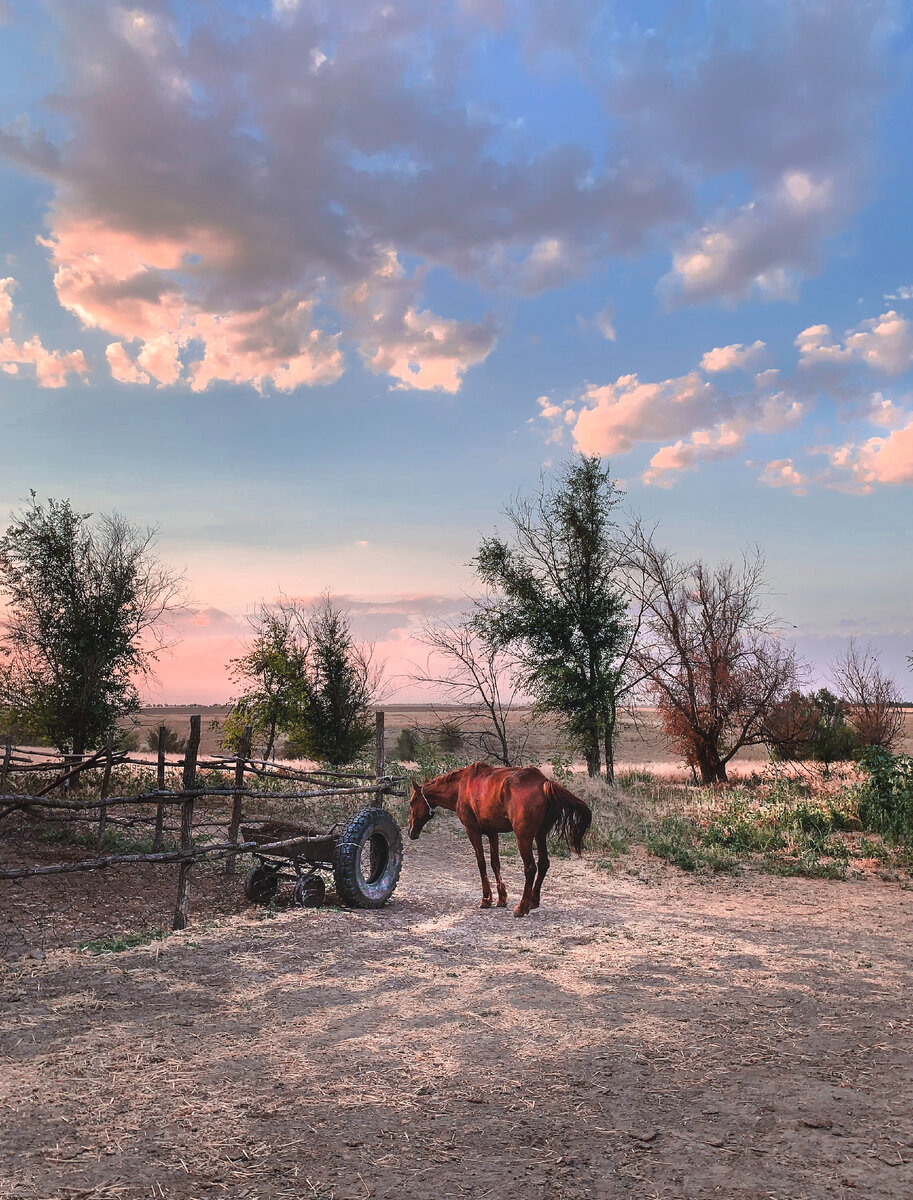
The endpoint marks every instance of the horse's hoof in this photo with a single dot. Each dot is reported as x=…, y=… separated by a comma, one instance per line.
x=485, y=904
x=521, y=912
x=501, y=904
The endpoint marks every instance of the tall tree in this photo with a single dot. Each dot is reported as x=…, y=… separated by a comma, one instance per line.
x=339, y=685
x=86, y=610
x=709, y=654
x=307, y=677
x=270, y=672
x=558, y=603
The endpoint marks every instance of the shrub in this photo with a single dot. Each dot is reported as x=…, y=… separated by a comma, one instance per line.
x=886, y=796
x=450, y=738
x=405, y=748
x=174, y=743
x=673, y=839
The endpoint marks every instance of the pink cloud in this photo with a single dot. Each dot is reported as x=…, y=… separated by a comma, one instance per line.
x=52, y=367
x=886, y=460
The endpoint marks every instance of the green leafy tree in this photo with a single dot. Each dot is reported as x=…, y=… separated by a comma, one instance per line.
x=558, y=603
x=337, y=688
x=270, y=672
x=86, y=609
x=308, y=678
x=812, y=726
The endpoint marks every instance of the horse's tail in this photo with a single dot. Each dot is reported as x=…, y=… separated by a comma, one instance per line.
x=568, y=813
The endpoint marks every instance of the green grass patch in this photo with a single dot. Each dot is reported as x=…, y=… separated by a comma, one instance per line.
x=118, y=942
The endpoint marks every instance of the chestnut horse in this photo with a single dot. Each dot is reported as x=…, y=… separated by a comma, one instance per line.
x=492, y=800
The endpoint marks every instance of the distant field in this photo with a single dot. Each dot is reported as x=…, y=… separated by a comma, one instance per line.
x=641, y=743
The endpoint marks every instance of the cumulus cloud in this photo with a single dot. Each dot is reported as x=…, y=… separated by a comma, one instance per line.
x=6, y=303
x=733, y=358
x=878, y=460
x=52, y=367
x=708, y=422
x=785, y=94
x=696, y=419
x=224, y=196
x=780, y=473
x=882, y=343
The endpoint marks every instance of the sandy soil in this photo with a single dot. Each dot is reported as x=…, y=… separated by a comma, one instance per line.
x=644, y=1034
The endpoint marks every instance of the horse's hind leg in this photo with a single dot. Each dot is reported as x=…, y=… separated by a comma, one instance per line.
x=496, y=867
x=525, y=846
x=476, y=838
x=544, y=860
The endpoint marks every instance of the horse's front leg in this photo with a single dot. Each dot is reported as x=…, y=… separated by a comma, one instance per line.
x=525, y=846
x=476, y=838
x=496, y=867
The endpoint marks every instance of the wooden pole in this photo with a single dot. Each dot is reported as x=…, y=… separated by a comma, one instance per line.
x=380, y=758
x=7, y=759
x=240, y=764
x=160, y=786
x=182, y=908
x=105, y=788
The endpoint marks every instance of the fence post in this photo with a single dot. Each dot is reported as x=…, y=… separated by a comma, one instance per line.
x=105, y=787
x=7, y=759
x=380, y=758
x=188, y=783
x=240, y=763
x=160, y=786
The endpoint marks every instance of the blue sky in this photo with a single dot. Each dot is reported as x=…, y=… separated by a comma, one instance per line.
x=316, y=289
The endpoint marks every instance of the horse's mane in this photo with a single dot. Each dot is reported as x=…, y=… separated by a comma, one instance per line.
x=452, y=775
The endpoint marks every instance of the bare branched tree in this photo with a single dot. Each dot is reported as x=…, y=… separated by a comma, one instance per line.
x=709, y=654
x=479, y=678
x=873, y=701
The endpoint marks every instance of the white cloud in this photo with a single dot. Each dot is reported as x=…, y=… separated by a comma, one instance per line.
x=781, y=473
x=733, y=358
x=6, y=303
x=882, y=343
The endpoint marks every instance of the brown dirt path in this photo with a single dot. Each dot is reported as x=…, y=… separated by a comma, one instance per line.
x=642, y=1035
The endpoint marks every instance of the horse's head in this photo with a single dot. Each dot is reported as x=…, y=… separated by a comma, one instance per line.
x=421, y=810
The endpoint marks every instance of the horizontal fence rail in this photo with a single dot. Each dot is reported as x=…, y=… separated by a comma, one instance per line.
x=173, y=815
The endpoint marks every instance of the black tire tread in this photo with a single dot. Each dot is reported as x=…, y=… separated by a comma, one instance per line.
x=345, y=860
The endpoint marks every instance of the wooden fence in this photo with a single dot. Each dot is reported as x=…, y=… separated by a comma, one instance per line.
x=58, y=798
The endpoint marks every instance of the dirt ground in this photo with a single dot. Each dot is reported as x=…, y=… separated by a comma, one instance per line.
x=644, y=1034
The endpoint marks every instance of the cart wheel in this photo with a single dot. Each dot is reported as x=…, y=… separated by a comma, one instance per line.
x=261, y=884
x=310, y=892
x=368, y=859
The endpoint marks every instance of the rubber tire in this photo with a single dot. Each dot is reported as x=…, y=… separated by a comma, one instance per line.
x=261, y=884
x=310, y=892
x=375, y=826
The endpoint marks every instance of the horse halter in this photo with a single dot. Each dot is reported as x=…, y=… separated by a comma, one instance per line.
x=431, y=807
